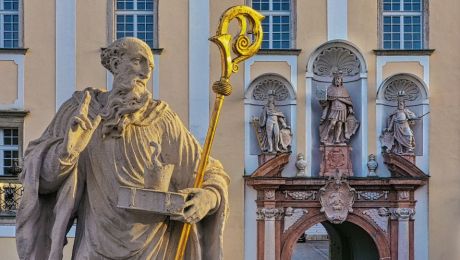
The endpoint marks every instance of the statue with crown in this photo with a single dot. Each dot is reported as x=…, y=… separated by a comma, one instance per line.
x=337, y=126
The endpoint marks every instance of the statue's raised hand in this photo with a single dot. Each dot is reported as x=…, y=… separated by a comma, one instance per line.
x=80, y=131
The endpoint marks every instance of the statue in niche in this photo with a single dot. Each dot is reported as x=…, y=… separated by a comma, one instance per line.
x=274, y=135
x=99, y=141
x=398, y=137
x=337, y=123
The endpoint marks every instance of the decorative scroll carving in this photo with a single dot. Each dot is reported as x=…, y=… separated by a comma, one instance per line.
x=334, y=59
x=270, y=213
x=380, y=219
x=292, y=215
x=301, y=195
x=269, y=194
x=408, y=86
x=337, y=198
x=270, y=84
x=372, y=195
x=402, y=213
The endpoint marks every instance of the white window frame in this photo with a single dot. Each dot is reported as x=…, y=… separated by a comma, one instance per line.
x=134, y=13
x=269, y=15
x=4, y=147
x=12, y=119
x=20, y=22
x=401, y=13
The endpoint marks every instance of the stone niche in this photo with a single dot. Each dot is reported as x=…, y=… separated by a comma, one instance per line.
x=416, y=100
x=334, y=56
x=256, y=97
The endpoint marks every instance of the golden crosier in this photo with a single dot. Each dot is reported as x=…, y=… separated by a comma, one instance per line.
x=243, y=49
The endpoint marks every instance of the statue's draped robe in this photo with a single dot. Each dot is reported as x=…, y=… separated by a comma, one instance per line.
x=398, y=123
x=335, y=108
x=269, y=119
x=86, y=188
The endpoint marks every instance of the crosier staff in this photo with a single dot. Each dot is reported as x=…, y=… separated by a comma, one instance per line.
x=243, y=49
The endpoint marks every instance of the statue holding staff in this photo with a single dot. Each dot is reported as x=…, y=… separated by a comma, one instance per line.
x=99, y=141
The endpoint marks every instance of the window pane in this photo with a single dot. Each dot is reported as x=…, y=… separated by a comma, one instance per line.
x=125, y=4
x=11, y=5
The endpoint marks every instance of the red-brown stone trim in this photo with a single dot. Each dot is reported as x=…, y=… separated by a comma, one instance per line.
x=273, y=167
x=401, y=167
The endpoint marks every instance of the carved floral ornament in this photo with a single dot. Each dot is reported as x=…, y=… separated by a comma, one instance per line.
x=270, y=213
x=301, y=195
x=292, y=216
x=411, y=90
x=336, y=59
x=337, y=198
x=270, y=84
x=379, y=217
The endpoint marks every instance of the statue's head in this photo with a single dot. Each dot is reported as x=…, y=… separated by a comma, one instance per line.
x=401, y=99
x=130, y=60
x=271, y=96
x=337, y=79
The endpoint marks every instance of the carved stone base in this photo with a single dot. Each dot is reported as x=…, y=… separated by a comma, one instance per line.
x=410, y=158
x=336, y=158
x=263, y=158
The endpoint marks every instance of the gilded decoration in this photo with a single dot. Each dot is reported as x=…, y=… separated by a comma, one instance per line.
x=337, y=198
x=336, y=58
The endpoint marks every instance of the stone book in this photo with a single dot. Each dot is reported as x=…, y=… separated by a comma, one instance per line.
x=149, y=200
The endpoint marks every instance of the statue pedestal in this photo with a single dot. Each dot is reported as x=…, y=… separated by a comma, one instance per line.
x=263, y=158
x=336, y=158
x=409, y=157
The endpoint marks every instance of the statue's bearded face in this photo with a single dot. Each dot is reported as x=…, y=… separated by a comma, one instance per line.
x=129, y=97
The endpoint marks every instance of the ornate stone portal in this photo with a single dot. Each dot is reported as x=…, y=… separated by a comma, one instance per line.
x=383, y=208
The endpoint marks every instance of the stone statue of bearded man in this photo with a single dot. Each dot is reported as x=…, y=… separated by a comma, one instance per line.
x=99, y=141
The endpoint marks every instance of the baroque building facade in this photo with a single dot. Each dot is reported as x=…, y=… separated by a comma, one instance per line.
x=401, y=205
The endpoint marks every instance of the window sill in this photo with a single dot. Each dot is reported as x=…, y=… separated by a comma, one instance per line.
x=293, y=52
x=22, y=51
x=421, y=52
x=13, y=113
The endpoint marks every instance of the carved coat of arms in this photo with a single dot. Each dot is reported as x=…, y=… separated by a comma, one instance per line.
x=337, y=198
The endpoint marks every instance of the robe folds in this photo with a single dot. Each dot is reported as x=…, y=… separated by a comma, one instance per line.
x=85, y=189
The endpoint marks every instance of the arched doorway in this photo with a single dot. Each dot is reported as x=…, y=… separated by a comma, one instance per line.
x=346, y=241
x=355, y=239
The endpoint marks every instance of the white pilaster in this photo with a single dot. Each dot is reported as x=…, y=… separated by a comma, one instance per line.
x=337, y=19
x=199, y=70
x=65, y=50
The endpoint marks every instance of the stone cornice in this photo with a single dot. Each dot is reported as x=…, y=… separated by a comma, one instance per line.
x=422, y=52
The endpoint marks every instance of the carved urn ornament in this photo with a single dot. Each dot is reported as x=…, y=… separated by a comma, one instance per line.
x=337, y=198
x=372, y=165
x=301, y=164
